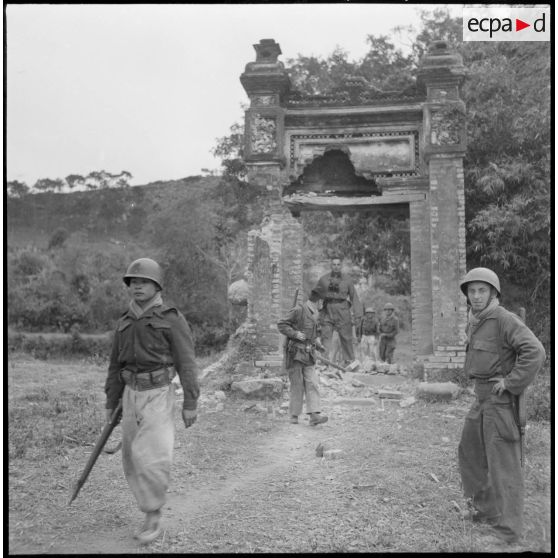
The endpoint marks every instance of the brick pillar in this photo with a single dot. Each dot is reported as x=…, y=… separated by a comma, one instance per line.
x=421, y=273
x=441, y=73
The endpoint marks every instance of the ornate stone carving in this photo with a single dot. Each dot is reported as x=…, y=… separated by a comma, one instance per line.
x=446, y=126
x=374, y=154
x=264, y=100
x=263, y=134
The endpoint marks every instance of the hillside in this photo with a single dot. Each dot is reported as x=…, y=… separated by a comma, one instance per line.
x=102, y=215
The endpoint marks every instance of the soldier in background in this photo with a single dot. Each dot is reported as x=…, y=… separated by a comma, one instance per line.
x=389, y=328
x=300, y=327
x=339, y=295
x=367, y=334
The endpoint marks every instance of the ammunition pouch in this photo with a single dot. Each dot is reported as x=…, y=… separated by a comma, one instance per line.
x=298, y=351
x=143, y=381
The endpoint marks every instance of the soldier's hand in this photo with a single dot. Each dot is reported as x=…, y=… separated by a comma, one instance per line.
x=319, y=346
x=499, y=387
x=189, y=417
x=300, y=336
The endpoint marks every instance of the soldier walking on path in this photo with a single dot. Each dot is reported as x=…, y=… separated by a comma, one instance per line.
x=301, y=328
x=502, y=356
x=339, y=295
x=389, y=328
x=152, y=342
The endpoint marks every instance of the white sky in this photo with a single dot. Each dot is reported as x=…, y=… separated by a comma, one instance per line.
x=148, y=88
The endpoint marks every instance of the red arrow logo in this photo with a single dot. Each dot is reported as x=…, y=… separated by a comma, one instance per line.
x=519, y=25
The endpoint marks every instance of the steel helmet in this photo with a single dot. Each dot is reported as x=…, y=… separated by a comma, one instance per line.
x=145, y=268
x=480, y=274
x=389, y=306
x=369, y=309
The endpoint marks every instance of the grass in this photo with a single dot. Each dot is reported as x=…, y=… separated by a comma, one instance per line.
x=250, y=483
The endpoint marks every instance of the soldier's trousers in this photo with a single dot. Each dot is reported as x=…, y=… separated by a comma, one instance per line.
x=345, y=332
x=368, y=346
x=490, y=463
x=386, y=349
x=303, y=384
x=148, y=443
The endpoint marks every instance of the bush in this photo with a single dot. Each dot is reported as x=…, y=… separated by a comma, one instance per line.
x=58, y=238
x=61, y=345
x=28, y=264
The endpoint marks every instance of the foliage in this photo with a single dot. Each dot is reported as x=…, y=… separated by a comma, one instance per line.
x=17, y=189
x=377, y=244
x=49, y=185
x=49, y=422
x=58, y=239
x=538, y=402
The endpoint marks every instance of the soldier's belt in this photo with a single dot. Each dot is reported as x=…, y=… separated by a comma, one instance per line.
x=492, y=379
x=143, y=381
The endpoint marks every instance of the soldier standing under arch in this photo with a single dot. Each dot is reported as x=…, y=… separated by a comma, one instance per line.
x=339, y=295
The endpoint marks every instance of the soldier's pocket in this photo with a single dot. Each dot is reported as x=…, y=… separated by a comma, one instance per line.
x=505, y=423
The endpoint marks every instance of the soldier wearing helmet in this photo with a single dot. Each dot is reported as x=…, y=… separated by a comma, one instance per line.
x=151, y=344
x=300, y=326
x=367, y=334
x=388, y=328
x=502, y=357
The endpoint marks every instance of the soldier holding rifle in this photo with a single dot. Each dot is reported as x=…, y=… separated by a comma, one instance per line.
x=503, y=356
x=301, y=328
x=151, y=343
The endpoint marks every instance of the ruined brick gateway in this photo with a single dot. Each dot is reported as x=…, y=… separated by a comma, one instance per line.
x=406, y=149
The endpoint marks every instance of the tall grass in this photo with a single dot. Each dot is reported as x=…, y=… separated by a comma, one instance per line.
x=42, y=423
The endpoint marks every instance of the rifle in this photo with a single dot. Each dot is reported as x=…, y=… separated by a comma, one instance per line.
x=286, y=340
x=105, y=434
x=329, y=363
x=518, y=401
x=519, y=404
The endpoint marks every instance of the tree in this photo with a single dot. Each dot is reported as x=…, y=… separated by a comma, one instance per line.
x=75, y=180
x=49, y=185
x=17, y=189
x=99, y=180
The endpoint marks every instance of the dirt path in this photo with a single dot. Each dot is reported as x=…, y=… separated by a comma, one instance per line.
x=246, y=482
x=286, y=449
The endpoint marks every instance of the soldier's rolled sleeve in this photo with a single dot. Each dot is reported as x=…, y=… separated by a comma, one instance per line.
x=530, y=355
x=184, y=359
x=114, y=384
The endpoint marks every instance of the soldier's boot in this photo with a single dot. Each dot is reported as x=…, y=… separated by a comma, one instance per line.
x=151, y=527
x=317, y=418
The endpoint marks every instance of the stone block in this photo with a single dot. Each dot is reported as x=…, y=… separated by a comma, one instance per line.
x=437, y=391
x=258, y=388
x=390, y=394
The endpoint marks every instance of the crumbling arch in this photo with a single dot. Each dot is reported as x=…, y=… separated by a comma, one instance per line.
x=384, y=150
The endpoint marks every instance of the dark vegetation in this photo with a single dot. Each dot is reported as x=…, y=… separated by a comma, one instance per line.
x=67, y=252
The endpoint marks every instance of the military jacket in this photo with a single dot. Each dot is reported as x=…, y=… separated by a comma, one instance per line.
x=159, y=338
x=389, y=326
x=299, y=318
x=502, y=345
x=336, y=289
x=369, y=325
